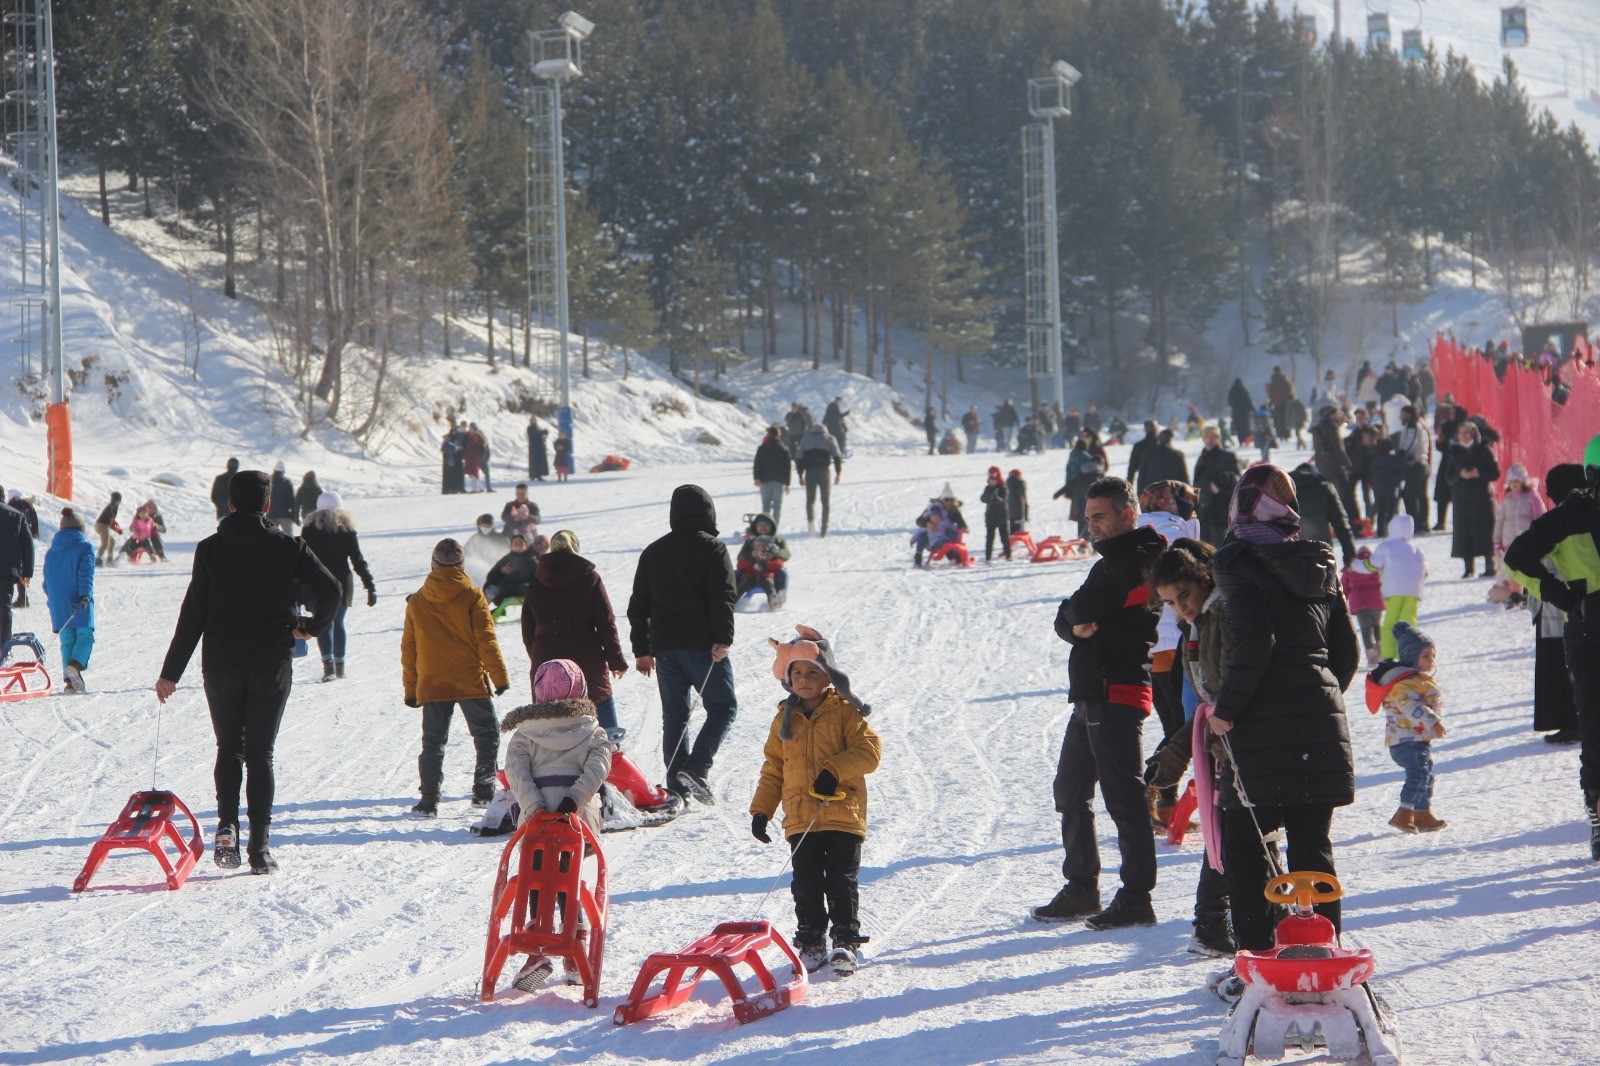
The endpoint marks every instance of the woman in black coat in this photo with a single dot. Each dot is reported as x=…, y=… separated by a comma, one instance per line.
x=1290, y=653
x=538, y=457
x=1471, y=474
x=330, y=533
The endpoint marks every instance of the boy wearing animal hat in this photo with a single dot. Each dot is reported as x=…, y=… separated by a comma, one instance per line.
x=818, y=754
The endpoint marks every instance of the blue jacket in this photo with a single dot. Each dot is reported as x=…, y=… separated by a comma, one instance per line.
x=69, y=577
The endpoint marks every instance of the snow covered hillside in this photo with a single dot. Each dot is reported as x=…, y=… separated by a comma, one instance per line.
x=368, y=944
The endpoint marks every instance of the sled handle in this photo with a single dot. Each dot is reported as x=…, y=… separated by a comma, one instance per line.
x=1304, y=888
x=840, y=795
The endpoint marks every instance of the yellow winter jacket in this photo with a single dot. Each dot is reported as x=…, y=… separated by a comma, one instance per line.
x=834, y=737
x=448, y=649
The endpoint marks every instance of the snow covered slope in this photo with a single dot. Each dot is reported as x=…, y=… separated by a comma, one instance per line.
x=368, y=945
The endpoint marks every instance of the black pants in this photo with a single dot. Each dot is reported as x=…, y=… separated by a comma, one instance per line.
x=826, y=868
x=1211, y=894
x=991, y=528
x=7, y=584
x=246, y=710
x=1307, y=826
x=1583, y=663
x=485, y=730
x=1167, y=688
x=1103, y=744
x=817, y=482
x=1414, y=494
x=1387, y=505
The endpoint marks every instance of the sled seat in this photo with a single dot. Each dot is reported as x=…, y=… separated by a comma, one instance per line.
x=145, y=824
x=728, y=945
x=953, y=550
x=549, y=851
x=1051, y=549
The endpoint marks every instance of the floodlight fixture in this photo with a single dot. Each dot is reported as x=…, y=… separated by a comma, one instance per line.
x=576, y=25
x=1067, y=72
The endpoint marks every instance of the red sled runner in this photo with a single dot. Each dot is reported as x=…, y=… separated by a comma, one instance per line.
x=25, y=679
x=728, y=945
x=145, y=824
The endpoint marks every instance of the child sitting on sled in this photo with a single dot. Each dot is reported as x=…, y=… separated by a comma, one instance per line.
x=556, y=760
x=761, y=562
x=935, y=527
x=1411, y=723
x=818, y=753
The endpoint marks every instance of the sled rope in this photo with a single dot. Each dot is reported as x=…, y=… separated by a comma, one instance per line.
x=1238, y=784
x=155, y=766
x=788, y=860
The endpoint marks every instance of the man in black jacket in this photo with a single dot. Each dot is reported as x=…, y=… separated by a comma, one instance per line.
x=1162, y=462
x=1111, y=624
x=1216, y=472
x=16, y=561
x=242, y=600
x=1322, y=515
x=219, y=489
x=681, y=619
x=774, y=472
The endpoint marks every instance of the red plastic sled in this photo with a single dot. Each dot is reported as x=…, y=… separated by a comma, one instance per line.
x=146, y=824
x=728, y=945
x=1178, y=824
x=953, y=550
x=550, y=852
x=1025, y=542
x=628, y=779
x=1051, y=549
x=23, y=680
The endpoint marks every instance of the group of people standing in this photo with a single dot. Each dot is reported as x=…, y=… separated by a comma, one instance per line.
x=782, y=454
x=465, y=451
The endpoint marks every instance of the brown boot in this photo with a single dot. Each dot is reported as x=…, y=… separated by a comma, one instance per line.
x=1152, y=800
x=1404, y=820
x=1426, y=822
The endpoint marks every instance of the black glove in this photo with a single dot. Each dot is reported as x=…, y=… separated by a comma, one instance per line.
x=82, y=604
x=825, y=784
x=758, y=828
x=1558, y=593
x=567, y=806
x=372, y=597
x=501, y=690
x=1150, y=769
x=412, y=703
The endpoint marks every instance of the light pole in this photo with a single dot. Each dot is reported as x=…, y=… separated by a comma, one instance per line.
x=557, y=56
x=1049, y=98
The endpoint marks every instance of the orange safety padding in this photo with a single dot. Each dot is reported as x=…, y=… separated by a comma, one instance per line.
x=1534, y=430
x=58, y=430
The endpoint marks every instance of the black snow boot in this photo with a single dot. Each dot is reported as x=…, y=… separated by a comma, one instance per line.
x=225, y=850
x=916, y=560
x=1591, y=804
x=1066, y=907
x=1213, y=936
x=1125, y=910
x=427, y=806
x=812, y=950
x=482, y=795
x=261, y=860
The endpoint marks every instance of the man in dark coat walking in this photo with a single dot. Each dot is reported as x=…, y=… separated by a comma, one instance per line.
x=681, y=627
x=773, y=471
x=1216, y=472
x=1162, y=462
x=1111, y=624
x=16, y=561
x=1142, y=445
x=219, y=489
x=242, y=600
x=818, y=450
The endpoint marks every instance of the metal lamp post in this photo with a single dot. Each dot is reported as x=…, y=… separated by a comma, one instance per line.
x=1049, y=98
x=557, y=56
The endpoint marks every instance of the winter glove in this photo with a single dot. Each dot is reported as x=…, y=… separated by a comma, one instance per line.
x=501, y=690
x=758, y=828
x=372, y=597
x=1558, y=593
x=1166, y=767
x=825, y=784
x=412, y=703
x=567, y=806
x=82, y=604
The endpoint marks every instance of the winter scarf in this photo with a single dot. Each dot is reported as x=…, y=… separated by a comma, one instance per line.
x=1263, y=507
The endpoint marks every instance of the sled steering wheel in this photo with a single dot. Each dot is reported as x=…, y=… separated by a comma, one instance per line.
x=1304, y=889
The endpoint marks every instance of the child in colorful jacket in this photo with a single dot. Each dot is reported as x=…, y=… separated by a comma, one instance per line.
x=1364, y=590
x=1403, y=569
x=936, y=527
x=1411, y=703
x=819, y=752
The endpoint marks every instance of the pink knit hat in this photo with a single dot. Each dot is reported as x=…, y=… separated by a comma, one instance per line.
x=559, y=679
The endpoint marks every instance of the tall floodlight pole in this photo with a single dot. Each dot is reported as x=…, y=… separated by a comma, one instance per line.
x=1049, y=98
x=558, y=55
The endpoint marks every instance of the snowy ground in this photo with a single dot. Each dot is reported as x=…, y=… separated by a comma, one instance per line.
x=369, y=943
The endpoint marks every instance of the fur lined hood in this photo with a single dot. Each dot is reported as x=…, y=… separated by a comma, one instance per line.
x=534, y=712
x=336, y=520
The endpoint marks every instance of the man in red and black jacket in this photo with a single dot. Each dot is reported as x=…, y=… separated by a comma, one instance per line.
x=1111, y=624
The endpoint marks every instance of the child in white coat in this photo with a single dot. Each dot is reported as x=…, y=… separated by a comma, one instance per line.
x=556, y=760
x=1403, y=569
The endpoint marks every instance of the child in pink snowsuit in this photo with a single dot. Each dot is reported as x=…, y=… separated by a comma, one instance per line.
x=1364, y=590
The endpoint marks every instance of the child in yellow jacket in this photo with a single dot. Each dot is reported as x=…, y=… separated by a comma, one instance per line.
x=818, y=755
x=1412, y=721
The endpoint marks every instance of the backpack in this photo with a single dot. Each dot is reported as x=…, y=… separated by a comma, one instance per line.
x=1384, y=677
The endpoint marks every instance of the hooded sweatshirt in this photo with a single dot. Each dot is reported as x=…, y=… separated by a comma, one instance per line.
x=683, y=588
x=1399, y=562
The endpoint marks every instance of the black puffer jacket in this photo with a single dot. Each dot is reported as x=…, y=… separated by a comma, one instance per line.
x=1290, y=653
x=1322, y=515
x=241, y=598
x=1113, y=665
x=683, y=589
x=1215, y=466
x=773, y=461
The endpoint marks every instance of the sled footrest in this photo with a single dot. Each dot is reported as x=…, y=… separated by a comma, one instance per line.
x=728, y=945
x=145, y=824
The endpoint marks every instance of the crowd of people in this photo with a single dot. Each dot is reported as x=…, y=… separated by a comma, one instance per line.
x=466, y=453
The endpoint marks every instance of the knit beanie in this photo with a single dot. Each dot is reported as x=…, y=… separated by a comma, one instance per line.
x=70, y=519
x=330, y=501
x=994, y=475
x=559, y=679
x=1411, y=641
x=811, y=647
x=1517, y=472
x=564, y=540
x=448, y=553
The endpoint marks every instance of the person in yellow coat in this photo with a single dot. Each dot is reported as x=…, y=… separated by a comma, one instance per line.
x=449, y=655
x=819, y=752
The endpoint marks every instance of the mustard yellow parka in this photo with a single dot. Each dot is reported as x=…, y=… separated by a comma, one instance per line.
x=834, y=737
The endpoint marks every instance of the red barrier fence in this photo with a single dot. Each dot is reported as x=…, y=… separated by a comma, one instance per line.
x=1534, y=430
